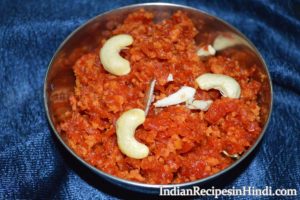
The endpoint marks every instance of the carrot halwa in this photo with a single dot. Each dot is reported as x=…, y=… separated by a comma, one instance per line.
x=184, y=144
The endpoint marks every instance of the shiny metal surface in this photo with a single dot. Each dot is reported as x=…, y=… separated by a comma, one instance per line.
x=59, y=80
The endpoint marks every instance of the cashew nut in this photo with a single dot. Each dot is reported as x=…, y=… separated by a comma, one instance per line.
x=206, y=51
x=110, y=57
x=227, y=40
x=198, y=104
x=183, y=94
x=227, y=86
x=125, y=128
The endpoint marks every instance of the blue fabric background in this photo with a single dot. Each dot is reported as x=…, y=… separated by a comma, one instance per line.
x=33, y=165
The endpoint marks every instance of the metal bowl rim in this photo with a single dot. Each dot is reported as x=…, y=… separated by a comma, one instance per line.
x=145, y=185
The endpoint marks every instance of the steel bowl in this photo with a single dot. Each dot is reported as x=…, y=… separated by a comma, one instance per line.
x=59, y=80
